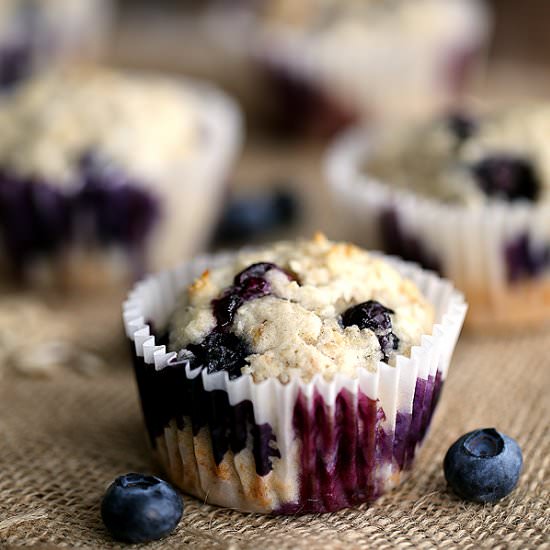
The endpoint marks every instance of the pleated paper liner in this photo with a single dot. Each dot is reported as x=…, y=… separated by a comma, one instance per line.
x=295, y=448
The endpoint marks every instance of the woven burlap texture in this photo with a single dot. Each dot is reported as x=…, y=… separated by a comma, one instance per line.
x=63, y=438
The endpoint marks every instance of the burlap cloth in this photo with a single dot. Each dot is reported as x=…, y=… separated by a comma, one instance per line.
x=66, y=432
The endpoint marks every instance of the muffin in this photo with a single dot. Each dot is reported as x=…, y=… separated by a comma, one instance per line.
x=327, y=63
x=296, y=378
x=98, y=170
x=35, y=34
x=466, y=196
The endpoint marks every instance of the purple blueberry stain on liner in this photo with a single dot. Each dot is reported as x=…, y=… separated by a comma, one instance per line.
x=399, y=242
x=122, y=210
x=525, y=259
x=304, y=108
x=342, y=447
x=37, y=218
x=168, y=394
x=414, y=425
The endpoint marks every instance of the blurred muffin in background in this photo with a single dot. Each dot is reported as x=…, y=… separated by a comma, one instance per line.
x=468, y=197
x=105, y=174
x=36, y=33
x=370, y=59
x=313, y=66
x=330, y=62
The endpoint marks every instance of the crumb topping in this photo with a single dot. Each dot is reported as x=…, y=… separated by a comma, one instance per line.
x=296, y=329
x=502, y=157
x=139, y=124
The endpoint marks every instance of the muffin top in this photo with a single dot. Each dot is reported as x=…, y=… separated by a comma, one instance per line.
x=503, y=157
x=297, y=309
x=140, y=125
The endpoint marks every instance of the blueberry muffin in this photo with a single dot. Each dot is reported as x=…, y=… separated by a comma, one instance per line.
x=331, y=62
x=313, y=66
x=466, y=196
x=96, y=165
x=295, y=378
x=35, y=34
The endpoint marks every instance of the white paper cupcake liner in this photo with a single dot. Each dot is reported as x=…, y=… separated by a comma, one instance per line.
x=189, y=195
x=489, y=252
x=193, y=192
x=300, y=447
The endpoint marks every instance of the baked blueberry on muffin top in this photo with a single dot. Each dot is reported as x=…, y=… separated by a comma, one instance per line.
x=298, y=310
x=131, y=122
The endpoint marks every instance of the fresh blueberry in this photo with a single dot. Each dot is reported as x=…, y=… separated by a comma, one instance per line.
x=140, y=508
x=483, y=465
x=220, y=351
x=286, y=203
x=508, y=177
x=461, y=125
x=246, y=217
x=374, y=316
